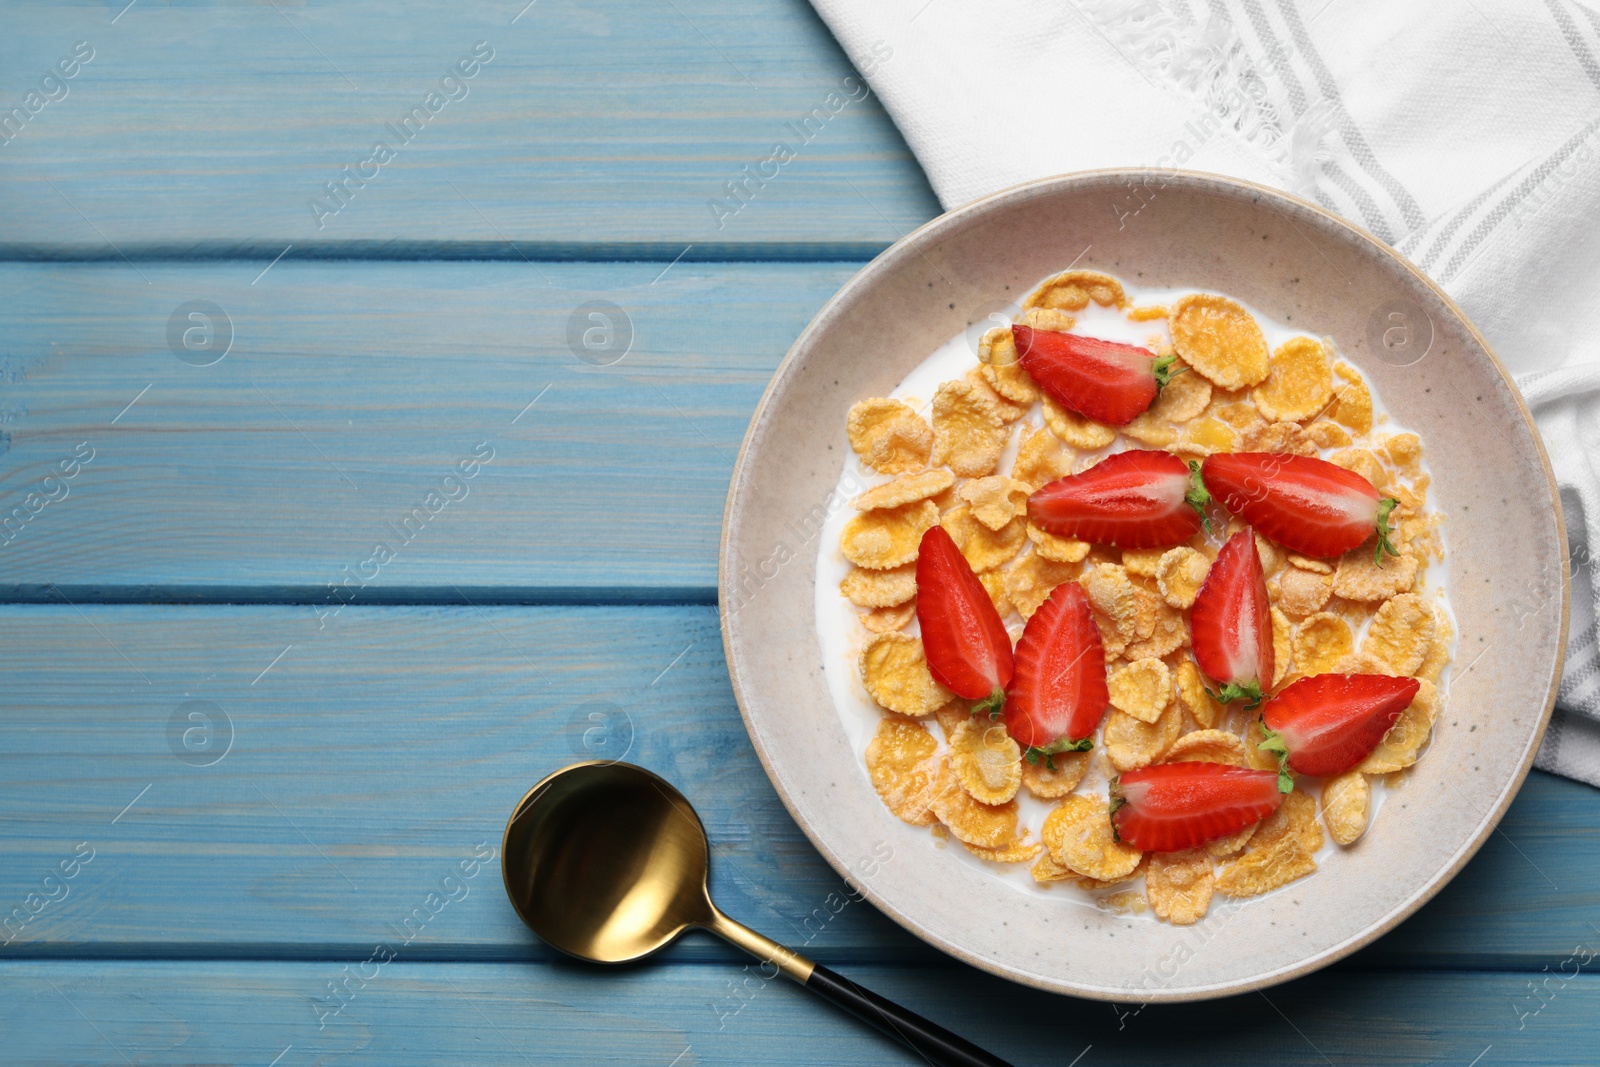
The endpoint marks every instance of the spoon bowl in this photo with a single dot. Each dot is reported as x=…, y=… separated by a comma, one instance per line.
x=608, y=862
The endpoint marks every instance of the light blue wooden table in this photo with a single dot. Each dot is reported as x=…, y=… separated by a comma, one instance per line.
x=222, y=787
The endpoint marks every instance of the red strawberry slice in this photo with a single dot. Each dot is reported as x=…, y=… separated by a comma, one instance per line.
x=1307, y=505
x=1058, y=694
x=1174, y=806
x=1326, y=724
x=1231, y=622
x=1101, y=380
x=967, y=646
x=1133, y=499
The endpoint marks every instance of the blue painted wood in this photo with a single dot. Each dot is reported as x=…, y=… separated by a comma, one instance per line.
x=213, y=124
x=372, y=756
x=654, y=1014
x=352, y=391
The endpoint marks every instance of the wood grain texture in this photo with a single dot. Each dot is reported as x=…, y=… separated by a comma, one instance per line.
x=664, y=1014
x=212, y=124
x=374, y=755
x=350, y=392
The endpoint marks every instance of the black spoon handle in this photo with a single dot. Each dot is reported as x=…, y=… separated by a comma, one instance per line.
x=910, y=1029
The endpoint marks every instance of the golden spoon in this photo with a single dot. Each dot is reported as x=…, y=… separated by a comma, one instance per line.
x=608, y=863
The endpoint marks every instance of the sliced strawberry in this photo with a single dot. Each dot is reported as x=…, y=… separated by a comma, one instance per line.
x=1059, y=694
x=967, y=646
x=1231, y=622
x=1307, y=505
x=1174, y=806
x=1101, y=380
x=1133, y=499
x=1326, y=724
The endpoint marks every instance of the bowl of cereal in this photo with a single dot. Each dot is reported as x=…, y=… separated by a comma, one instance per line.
x=1144, y=585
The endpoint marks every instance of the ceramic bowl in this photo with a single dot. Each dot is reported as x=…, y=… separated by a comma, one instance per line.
x=1295, y=263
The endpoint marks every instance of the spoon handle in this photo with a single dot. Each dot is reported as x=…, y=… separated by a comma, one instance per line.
x=930, y=1039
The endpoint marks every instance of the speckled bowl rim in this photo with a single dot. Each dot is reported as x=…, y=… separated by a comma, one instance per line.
x=891, y=259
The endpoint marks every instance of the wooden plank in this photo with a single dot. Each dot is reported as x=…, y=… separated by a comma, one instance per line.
x=217, y=125
x=372, y=757
x=351, y=391
x=98, y=1013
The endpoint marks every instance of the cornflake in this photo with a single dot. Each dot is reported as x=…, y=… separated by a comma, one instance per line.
x=1299, y=382
x=1358, y=577
x=1438, y=656
x=968, y=435
x=889, y=537
x=1401, y=633
x=1326, y=434
x=1078, y=835
x=1179, y=885
x=1059, y=549
x=1220, y=340
x=885, y=620
x=880, y=589
x=1141, y=561
x=899, y=762
x=984, y=549
x=995, y=500
x=1131, y=743
x=1280, y=437
x=1345, y=802
x=1282, y=645
x=1353, y=401
x=1016, y=852
x=1142, y=689
x=1278, y=852
x=1403, y=743
x=997, y=351
x=1303, y=592
x=1052, y=782
x=1072, y=290
x=889, y=436
x=970, y=821
x=1195, y=698
x=1030, y=583
x=895, y=673
x=1041, y=459
x=1362, y=462
x=1207, y=746
x=1040, y=318
x=1009, y=411
x=1206, y=436
x=986, y=760
x=1180, y=572
x=906, y=489
x=1075, y=430
x=1320, y=642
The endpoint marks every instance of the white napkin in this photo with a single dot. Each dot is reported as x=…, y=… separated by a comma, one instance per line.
x=1463, y=132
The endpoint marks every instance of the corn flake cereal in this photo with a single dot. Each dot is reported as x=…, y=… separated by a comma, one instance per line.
x=888, y=537
x=1179, y=574
x=1075, y=430
x=1321, y=641
x=899, y=762
x=1207, y=746
x=1299, y=381
x=1008, y=410
x=1353, y=401
x=1233, y=844
x=1302, y=592
x=1141, y=561
x=1207, y=436
x=1052, y=782
x=1131, y=743
x=889, y=436
x=1220, y=340
x=1185, y=396
x=1179, y=885
x=1030, y=583
x=1142, y=689
x=1016, y=852
x=1326, y=434
x=968, y=435
x=1042, y=318
x=970, y=821
x=1148, y=313
x=1277, y=854
x=1059, y=549
x=1345, y=803
x=1433, y=663
x=1401, y=633
x=885, y=620
x=1078, y=835
x=995, y=500
x=1358, y=577
x=1280, y=437
x=1194, y=697
x=880, y=589
x=1403, y=743
x=906, y=489
x=986, y=760
x=1306, y=563
x=984, y=549
x=895, y=673
x=1282, y=646
x=1072, y=290
x=1363, y=462
x=1041, y=459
